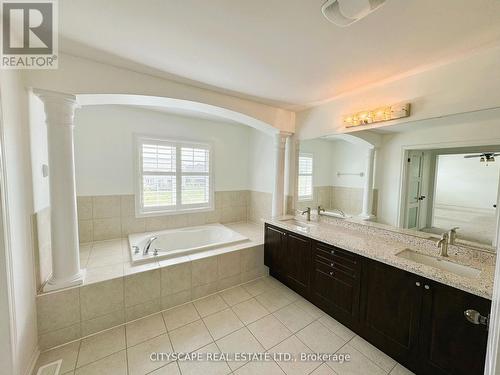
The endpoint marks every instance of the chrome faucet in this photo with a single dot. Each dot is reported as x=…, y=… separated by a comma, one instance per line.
x=453, y=235
x=320, y=210
x=307, y=212
x=148, y=245
x=443, y=245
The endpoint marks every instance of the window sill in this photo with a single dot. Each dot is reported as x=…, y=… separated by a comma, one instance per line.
x=173, y=213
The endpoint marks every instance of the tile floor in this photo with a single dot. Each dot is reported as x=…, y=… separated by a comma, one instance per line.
x=260, y=316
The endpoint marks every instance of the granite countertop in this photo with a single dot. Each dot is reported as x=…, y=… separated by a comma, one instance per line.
x=384, y=247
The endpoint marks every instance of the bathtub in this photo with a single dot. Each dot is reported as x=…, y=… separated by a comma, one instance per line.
x=183, y=241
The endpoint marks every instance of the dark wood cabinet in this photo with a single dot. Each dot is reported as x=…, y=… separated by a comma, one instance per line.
x=335, y=282
x=418, y=322
x=298, y=260
x=449, y=344
x=275, y=251
x=288, y=257
x=391, y=310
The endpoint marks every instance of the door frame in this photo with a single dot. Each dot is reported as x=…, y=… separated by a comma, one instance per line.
x=7, y=307
x=428, y=147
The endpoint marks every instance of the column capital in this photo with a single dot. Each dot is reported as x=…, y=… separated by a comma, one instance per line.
x=281, y=138
x=59, y=107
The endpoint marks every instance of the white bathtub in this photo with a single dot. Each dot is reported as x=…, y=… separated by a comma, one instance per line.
x=177, y=242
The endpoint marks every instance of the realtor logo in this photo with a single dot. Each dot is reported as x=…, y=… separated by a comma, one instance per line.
x=29, y=34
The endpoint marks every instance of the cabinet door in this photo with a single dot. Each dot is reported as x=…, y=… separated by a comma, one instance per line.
x=391, y=305
x=298, y=263
x=449, y=343
x=275, y=251
x=335, y=285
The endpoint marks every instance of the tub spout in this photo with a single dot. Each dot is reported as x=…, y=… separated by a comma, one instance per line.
x=148, y=245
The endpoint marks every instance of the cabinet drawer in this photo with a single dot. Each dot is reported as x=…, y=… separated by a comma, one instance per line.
x=335, y=272
x=337, y=256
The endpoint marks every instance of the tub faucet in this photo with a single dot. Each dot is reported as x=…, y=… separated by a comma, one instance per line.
x=148, y=245
x=443, y=245
x=453, y=235
x=320, y=210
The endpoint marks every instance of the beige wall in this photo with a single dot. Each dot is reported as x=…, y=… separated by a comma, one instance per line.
x=19, y=210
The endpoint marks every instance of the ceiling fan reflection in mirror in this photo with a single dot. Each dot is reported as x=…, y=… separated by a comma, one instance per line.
x=485, y=157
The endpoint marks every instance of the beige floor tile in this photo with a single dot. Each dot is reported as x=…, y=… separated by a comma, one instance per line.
x=319, y=339
x=377, y=356
x=338, y=328
x=68, y=353
x=324, y=370
x=115, y=364
x=235, y=295
x=207, y=367
x=101, y=345
x=309, y=308
x=180, y=316
x=190, y=337
x=357, y=364
x=295, y=347
x=273, y=300
x=260, y=368
x=250, y=311
x=170, y=369
x=210, y=305
x=241, y=341
x=400, y=370
x=256, y=287
x=222, y=323
x=139, y=362
x=269, y=331
x=144, y=329
x=293, y=317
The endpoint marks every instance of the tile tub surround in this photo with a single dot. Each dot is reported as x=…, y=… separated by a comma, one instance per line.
x=348, y=199
x=113, y=216
x=115, y=292
x=236, y=320
x=383, y=245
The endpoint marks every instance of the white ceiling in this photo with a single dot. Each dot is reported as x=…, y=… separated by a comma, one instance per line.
x=281, y=52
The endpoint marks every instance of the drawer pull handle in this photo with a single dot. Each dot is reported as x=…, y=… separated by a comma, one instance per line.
x=331, y=264
x=332, y=252
x=427, y=287
x=417, y=283
x=331, y=273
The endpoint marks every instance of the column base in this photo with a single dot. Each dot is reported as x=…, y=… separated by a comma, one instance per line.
x=56, y=284
x=367, y=217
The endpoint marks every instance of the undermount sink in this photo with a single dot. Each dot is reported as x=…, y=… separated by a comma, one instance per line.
x=439, y=263
x=300, y=224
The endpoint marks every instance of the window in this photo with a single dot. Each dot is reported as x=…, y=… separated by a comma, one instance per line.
x=305, y=182
x=174, y=176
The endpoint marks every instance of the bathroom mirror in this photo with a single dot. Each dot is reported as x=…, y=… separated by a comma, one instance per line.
x=421, y=189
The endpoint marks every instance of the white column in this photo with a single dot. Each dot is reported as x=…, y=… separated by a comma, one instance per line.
x=59, y=114
x=367, y=212
x=279, y=179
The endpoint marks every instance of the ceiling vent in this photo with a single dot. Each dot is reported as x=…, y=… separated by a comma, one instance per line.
x=336, y=13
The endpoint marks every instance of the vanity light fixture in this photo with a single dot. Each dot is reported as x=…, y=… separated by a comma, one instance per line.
x=390, y=112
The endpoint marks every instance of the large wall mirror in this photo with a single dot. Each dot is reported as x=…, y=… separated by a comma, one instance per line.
x=425, y=189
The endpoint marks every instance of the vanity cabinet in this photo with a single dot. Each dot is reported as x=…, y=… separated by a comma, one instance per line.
x=275, y=251
x=449, y=344
x=391, y=305
x=288, y=257
x=418, y=322
x=335, y=282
